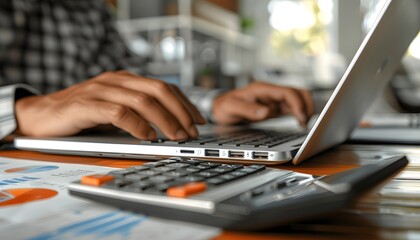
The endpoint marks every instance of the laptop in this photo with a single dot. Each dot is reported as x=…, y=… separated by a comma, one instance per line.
x=368, y=73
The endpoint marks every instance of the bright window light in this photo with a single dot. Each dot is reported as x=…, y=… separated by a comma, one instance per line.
x=326, y=11
x=414, y=49
x=299, y=27
x=289, y=15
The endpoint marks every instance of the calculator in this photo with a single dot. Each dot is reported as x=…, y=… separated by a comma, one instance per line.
x=231, y=196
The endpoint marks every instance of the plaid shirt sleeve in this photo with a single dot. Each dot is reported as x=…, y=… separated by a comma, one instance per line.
x=51, y=45
x=8, y=96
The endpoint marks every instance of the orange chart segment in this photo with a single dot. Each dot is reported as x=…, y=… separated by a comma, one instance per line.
x=9, y=197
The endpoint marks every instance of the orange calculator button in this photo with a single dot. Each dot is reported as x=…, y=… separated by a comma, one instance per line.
x=96, y=179
x=187, y=189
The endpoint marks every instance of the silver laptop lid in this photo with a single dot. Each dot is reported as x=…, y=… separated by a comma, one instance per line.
x=374, y=63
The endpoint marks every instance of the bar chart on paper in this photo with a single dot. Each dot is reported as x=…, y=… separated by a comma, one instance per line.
x=116, y=225
x=99, y=222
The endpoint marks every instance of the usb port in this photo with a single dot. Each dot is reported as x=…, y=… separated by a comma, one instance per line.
x=236, y=154
x=184, y=151
x=211, y=153
x=260, y=155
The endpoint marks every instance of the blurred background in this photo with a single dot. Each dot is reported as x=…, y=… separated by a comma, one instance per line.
x=228, y=43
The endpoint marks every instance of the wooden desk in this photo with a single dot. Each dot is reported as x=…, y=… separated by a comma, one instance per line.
x=339, y=225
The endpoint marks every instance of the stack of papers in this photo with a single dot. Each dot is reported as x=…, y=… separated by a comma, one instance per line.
x=34, y=204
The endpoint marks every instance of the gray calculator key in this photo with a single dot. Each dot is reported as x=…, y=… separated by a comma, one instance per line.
x=117, y=183
x=135, y=177
x=168, y=161
x=153, y=164
x=178, y=165
x=207, y=174
x=164, y=169
x=215, y=181
x=138, y=186
x=160, y=179
x=175, y=174
x=149, y=173
x=191, y=179
x=121, y=173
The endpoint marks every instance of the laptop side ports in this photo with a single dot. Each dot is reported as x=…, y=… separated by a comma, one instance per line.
x=260, y=155
x=186, y=151
x=236, y=154
x=211, y=153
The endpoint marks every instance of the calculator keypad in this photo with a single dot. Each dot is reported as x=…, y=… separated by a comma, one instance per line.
x=177, y=177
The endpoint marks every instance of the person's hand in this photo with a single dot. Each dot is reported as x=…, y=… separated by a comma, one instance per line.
x=125, y=100
x=259, y=101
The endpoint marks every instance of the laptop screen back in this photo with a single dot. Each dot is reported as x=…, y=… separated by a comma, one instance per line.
x=376, y=60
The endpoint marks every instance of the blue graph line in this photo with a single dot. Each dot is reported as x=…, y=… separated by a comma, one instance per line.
x=21, y=179
x=11, y=181
x=97, y=227
x=87, y=222
x=35, y=169
x=72, y=227
x=30, y=178
x=123, y=230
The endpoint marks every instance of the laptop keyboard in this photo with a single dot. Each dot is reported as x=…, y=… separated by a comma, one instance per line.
x=248, y=138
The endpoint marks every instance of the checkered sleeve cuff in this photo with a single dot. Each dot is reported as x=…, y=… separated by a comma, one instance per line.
x=203, y=100
x=8, y=96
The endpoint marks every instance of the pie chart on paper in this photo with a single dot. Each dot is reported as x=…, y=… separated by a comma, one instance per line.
x=10, y=197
